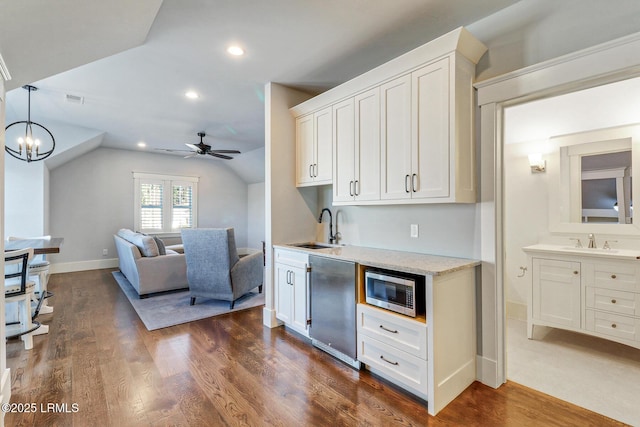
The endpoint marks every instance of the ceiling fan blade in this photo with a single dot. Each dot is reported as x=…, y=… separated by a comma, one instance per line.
x=193, y=147
x=170, y=150
x=222, y=156
x=226, y=151
x=188, y=156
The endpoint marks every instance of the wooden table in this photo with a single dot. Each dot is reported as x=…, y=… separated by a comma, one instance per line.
x=40, y=246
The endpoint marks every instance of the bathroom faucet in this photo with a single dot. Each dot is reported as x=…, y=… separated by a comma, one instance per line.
x=592, y=241
x=332, y=237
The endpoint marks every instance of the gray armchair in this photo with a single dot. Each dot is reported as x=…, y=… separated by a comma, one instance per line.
x=214, y=269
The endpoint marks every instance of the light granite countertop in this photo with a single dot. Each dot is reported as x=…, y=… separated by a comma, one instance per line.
x=408, y=262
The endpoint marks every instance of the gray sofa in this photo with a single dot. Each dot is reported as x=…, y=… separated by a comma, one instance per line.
x=148, y=265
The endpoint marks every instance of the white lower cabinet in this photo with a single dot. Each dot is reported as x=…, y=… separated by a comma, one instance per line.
x=432, y=356
x=586, y=294
x=394, y=345
x=291, y=290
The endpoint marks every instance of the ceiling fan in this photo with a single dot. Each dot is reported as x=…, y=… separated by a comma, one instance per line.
x=202, y=149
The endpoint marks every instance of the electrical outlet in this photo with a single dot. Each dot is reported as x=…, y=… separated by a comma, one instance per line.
x=105, y=252
x=414, y=230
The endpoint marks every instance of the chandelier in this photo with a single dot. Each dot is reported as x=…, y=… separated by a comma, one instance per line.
x=30, y=143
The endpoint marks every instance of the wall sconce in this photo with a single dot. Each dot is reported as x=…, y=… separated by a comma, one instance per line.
x=538, y=165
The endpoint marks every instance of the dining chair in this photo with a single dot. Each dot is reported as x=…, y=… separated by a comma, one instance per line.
x=39, y=268
x=18, y=289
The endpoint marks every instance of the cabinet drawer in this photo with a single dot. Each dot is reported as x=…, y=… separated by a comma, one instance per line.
x=294, y=258
x=613, y=325
x=395, y=330
x=619, y=302
x=616, y=276
x=402, y=368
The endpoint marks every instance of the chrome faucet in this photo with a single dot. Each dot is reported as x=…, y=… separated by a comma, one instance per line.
x=592, y=241
x=332, y=237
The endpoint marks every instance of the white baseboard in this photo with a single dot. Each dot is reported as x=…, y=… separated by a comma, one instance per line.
x=487, y=371
x=68, y=267
x=516, y=310
x=269, y=318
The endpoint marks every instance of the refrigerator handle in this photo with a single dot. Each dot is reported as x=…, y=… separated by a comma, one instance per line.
x=308, y=269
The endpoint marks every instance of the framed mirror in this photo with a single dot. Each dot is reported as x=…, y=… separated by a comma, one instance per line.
x=596, y=190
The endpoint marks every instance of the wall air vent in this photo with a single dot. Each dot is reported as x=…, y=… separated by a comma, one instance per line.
x=74, y=99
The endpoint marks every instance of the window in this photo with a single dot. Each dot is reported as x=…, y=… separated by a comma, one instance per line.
x=164, y=203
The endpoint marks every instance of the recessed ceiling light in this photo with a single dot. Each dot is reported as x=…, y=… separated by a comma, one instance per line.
x=142, y=144
x=235, y=50
x=192, y=94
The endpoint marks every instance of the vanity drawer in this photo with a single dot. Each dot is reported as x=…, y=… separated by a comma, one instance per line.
x=616, y=276
x=613, y=325
x=398, y=366
x=392, y=329
x=619, y=302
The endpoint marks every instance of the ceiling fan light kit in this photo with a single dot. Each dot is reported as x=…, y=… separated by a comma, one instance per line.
x=202, y=149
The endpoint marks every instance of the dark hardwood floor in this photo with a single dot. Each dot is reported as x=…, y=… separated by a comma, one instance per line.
x=227, y=370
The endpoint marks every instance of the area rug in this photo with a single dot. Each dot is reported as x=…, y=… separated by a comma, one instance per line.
x=169, y=309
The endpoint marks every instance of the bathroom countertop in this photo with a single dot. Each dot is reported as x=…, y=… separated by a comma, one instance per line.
x=408, y=262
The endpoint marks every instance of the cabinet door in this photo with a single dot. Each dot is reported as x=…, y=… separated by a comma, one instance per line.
x=304, y=149
x=284, y=293
x=395, y=139
x=430, y=131
x=322, y=165
x=367, y=148
x=298, y=277
x=343, y=149
x=556, y=292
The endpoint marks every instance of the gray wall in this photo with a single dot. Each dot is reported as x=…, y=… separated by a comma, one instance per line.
x=443, y=229
x=92, y=197
x=532, y=31
x=255, y=215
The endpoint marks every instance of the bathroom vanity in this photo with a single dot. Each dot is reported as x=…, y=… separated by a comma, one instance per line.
x=587, y=290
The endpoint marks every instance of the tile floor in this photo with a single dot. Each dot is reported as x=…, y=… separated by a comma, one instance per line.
x=596, y=374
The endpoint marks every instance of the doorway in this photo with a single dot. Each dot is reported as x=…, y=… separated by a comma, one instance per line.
x=597, y=374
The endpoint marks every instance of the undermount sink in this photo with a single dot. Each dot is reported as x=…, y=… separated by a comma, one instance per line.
x=590, y=250
x=312, y=245
x=595, y=252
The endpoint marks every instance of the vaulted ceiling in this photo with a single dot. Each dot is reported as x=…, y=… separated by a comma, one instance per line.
x=132, y=83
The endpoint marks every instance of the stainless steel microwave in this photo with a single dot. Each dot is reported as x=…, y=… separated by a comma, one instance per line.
x=395, y=292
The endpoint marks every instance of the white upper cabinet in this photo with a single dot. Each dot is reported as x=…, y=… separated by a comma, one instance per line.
x=395, y=138
x=430, y=138
x=314, y=148
x=344, y=157
x=410, y=138
x=356, y=167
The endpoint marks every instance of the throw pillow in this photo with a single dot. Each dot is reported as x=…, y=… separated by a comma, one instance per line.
x=161, y=248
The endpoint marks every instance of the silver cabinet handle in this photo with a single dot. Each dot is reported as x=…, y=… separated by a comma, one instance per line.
x=406, y=183
x=388, y=330
x=351, y=188
x=315, y=170
x=413, y=182
x=288, y=277
x=310, y=171
x=357, y=187
x=388, y=361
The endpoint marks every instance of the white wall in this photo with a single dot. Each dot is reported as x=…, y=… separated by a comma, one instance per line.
x=24, y=198
x=255, y=215
x=92, y=197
